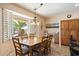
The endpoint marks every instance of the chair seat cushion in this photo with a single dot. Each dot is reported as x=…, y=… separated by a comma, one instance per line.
x=25, y=49
x=39, y=49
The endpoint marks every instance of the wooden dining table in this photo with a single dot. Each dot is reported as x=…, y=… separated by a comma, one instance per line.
x=31, y=42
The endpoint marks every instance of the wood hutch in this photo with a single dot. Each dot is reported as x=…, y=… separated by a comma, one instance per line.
x=69, y=27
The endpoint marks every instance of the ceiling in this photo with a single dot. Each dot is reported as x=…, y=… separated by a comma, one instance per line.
x=49, y=9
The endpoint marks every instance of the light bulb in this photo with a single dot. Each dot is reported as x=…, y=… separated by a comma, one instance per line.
x=37, y=23
x=76, y=5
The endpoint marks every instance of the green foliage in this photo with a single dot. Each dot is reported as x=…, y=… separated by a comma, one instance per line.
x=18, y=24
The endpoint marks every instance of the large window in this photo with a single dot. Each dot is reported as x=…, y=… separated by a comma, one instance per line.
x=20, y=26
x=13, y=23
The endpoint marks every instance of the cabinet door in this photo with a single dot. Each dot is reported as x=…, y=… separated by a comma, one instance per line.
x=74, y=34
x=64, y=24
x=73, y=24
x=64, y=37
x=78, y=36
x=78, y=31
x=65, y=40
x=64, y=32
x=78, y=23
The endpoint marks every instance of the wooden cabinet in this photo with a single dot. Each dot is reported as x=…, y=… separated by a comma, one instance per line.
x=64, y=32
x=73, y=33
x=69, y=27
x=64, y=24
x=64, y=36
x=78, y=36
x=64, y=40
x=73, y=24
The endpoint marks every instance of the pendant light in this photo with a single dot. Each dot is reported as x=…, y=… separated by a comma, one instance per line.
x=35, y=21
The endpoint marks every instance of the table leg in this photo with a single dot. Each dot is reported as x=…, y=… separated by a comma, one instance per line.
x=30, y=51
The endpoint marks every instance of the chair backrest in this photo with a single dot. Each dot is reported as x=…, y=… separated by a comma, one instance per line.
x=72, y=45
x=49, y=39
x=31, y=36
x=24, y=37
x=44, y=38
x=17, y=45
x=49, y=43
x=73, y=51
x=44, y=42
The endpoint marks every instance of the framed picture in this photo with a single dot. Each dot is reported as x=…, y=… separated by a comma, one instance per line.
x=54, y=25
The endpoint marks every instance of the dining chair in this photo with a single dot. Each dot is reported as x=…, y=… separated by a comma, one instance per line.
x=74, y=50
x=20, y=49
x=49, y=43
x=74, y=47
x=31, y=35
x=45, y=45
x=24, y=37
x=41, y=48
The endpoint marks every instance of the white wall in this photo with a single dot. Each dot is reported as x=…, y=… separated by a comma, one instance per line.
x=59, y=17
x=63, y=16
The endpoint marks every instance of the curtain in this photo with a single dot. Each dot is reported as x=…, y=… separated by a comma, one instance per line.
x=0, y=25
x=7, y=25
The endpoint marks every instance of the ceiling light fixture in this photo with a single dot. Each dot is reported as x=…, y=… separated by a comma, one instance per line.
x=76, y=5
x=35, y=21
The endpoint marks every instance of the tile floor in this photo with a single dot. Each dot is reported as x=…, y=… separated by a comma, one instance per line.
x=56, y=50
